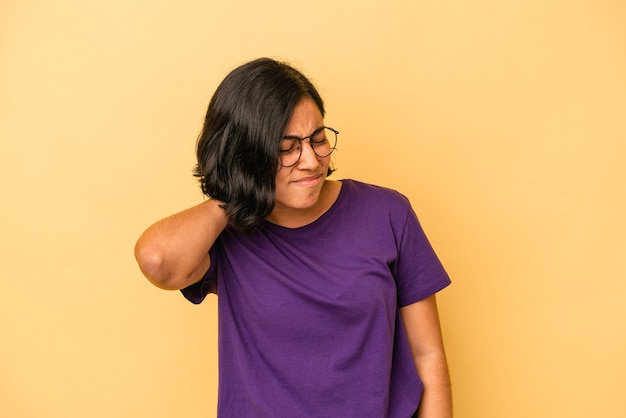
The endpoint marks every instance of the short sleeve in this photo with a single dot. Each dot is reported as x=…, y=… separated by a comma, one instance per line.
x=198, y=291
x=418, y=271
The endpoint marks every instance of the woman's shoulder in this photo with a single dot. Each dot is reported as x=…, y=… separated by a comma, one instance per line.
x=370, y=190
x=374, y=196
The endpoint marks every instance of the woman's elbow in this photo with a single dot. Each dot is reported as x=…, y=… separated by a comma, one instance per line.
x=151, y=263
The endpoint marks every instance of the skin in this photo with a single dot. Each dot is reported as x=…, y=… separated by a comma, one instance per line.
x=173, y=253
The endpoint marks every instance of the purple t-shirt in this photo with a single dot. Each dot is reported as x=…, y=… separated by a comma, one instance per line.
x=309, y=321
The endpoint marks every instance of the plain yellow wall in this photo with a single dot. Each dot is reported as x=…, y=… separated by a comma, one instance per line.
x=504, y=122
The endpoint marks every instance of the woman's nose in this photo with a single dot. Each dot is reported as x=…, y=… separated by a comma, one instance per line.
x=308, y=158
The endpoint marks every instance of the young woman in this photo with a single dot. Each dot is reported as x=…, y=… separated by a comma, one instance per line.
x=326, y=289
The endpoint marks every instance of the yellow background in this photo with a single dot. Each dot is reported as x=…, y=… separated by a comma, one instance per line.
x=504, y=122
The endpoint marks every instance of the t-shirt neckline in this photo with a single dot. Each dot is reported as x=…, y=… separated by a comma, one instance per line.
x=333, y=208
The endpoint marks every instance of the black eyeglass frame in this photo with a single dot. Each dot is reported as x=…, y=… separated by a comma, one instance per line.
x=318, y=130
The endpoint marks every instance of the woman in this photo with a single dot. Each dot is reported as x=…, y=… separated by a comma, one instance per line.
x=326, y=289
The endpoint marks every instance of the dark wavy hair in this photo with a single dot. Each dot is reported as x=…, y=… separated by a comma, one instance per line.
x=238, y=148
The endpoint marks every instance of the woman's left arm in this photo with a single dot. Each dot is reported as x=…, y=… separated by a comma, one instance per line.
x=421, y=322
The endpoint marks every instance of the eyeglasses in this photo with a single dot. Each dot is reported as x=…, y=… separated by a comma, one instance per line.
x=323, y=142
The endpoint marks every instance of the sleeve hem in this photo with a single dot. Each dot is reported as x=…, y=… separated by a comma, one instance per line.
x=436, y=287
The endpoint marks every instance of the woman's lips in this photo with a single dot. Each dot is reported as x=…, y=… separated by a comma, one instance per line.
x=309, y=180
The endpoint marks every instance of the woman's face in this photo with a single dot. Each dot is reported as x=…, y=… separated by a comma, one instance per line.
x=298, y=187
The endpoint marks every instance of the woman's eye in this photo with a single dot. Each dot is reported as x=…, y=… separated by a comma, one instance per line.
x=319, y=139
x=288, y=146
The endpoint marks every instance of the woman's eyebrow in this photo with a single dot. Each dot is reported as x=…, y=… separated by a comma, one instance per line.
x=303, y=137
